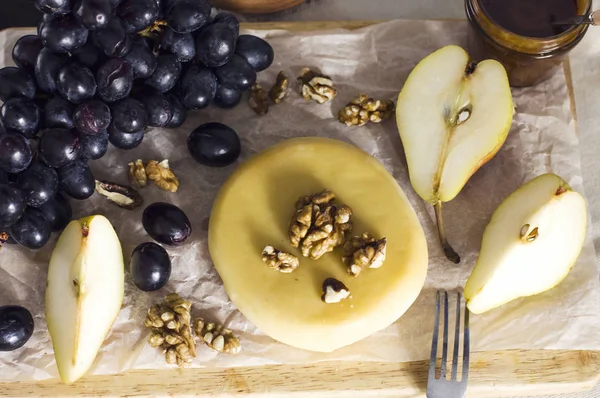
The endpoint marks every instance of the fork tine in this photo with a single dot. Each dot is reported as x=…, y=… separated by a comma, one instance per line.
x=434, y=339
x=445, y=341
x=466, y=348
x=456, y=338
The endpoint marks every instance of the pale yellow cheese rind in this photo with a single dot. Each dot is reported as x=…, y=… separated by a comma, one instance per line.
x=253, y=209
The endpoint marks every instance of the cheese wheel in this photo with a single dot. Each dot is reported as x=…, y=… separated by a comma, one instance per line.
x=253, y=209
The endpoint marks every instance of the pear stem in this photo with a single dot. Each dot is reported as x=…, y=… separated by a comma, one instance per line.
x=448, y=250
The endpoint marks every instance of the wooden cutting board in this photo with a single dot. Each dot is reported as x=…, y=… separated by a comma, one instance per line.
x=492, y=373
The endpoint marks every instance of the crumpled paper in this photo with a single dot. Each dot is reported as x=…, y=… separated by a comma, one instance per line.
x=375, y=60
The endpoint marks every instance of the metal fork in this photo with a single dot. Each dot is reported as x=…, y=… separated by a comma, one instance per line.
x=453, y=388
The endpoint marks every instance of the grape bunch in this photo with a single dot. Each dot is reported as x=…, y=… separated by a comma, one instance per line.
x=103, y=72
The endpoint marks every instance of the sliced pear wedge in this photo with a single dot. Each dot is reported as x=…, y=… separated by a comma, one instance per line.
x=531, y=243
x=453, y=116
x=84, y=293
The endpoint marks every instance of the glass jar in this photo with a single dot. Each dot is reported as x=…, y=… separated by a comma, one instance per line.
x=528, y=60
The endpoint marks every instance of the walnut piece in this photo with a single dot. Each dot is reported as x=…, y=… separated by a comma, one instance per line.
x=121, y=195
x=364, y=109
x=280, y=261
x=280, y=89
x=172, y=330
x=334, y=291
x=137, y=174
x=217, y=337
x=364, y=251
x=316, y=86
x=319, y=225
x=258, y=100
x=162, y=175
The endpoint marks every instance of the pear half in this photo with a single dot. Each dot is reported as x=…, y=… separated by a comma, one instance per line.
x=84, y=293
x=531, y=243
x=453, y=116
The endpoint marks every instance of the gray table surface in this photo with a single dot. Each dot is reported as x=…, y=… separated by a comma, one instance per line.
x=331, y=10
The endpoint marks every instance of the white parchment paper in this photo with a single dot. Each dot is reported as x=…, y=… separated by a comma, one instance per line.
x=374, y=60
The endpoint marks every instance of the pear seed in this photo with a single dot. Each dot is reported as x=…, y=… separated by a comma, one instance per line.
x=532, y=235
x=524, y=230
x=463, y=116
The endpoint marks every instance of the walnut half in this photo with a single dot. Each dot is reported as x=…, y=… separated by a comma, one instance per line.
x=217, y=337
x=279, y=90
x=171, y=330
x=280, y=261
x=316, y=86
x=364, y=251
x=364, y=109
x=319, y=225
x=162, y=175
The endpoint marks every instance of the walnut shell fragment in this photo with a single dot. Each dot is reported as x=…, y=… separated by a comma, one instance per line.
x=137, y=174
x=364, y=109
x=280, y=89
x=217, y=337
x=316, y=86
x=161, y=174
x=334, y=291
x=258, y=100
x=280, y=261
x=364, y=252
x=121, y=195
x=319, y=225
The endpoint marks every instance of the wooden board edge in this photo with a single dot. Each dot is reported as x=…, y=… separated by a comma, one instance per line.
x=493, y=374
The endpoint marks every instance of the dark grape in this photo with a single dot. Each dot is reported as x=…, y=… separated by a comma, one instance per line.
x=25, y=52
x=157, y=106
x=237, y=73
x=112, y=40
x=150, y=267
x=59, y=147
x=94, y=146
x=76, y=180
x=114, y=78
x=185, y=16
x=123, y=140
x=215, y=44
x=15, y=152
x=16, y=327
x=229, y=19
x=13, y=202
x=166, y=223
x=166, y=73
x=214, y=144
x=137, y=14
x=3, y=177
x=76, y=83
x=142, y=59
x=15, y=82
x=129, y=115
x=47, y=66
x=88, y=54
x=198, y=87
x=92, y=14
x=62, y=34
x=255, y=51
x=57, y=7
x=115, y=3
x=58, y=112
x=92, y=117
x=179, y=111
x=58, y=212
x=227, y=97
x=32, y=230
x=180, y=44
x=21, y=115
x=39, y=183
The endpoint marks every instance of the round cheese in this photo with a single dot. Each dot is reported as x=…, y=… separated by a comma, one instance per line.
x=253, y=209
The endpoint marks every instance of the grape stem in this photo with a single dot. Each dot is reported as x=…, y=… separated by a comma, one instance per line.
x=154, y=30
